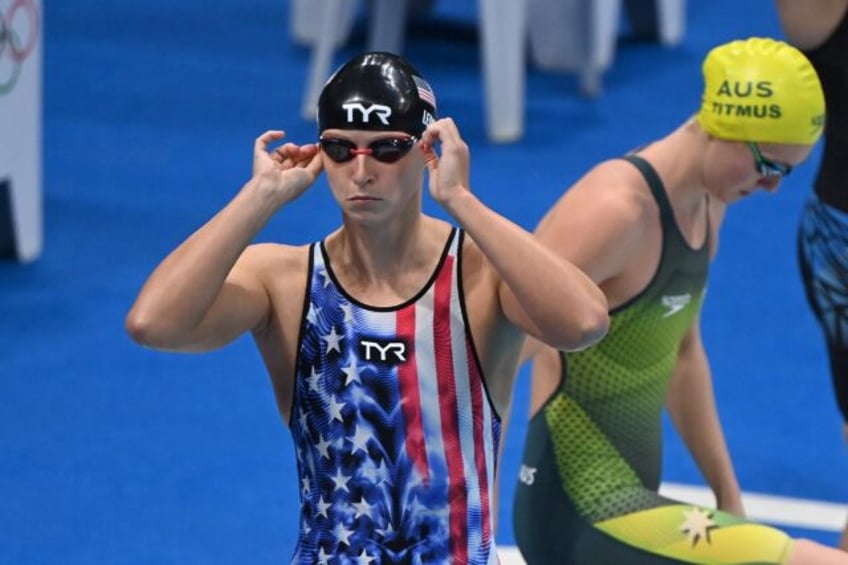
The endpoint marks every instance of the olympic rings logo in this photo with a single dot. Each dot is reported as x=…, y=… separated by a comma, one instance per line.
x=17, y=40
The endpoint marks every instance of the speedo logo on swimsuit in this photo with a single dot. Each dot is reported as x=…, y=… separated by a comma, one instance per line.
x=675, y=303
x=527, y=475
x=382, y=351
x=357, y=109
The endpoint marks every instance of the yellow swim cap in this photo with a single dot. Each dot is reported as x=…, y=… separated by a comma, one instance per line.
x=761, y=90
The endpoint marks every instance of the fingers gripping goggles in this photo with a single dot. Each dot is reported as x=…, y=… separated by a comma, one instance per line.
x=386, y=150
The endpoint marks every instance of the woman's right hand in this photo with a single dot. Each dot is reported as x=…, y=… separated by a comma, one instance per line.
x=288, y=169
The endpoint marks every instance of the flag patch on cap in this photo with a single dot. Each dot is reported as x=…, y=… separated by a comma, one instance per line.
x=425, y=93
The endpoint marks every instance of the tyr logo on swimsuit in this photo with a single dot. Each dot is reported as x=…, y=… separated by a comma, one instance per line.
x=390, y=352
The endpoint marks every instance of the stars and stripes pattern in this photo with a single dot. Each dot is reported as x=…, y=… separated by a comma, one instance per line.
x=394, y=433
x=425, y=92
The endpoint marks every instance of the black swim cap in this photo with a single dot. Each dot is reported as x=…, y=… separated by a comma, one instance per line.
x=377, y=91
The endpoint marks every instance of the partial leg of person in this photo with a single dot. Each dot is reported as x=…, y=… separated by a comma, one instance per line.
x=839, y=370
x=588, y=507
x=806, y=552
x=822, y=240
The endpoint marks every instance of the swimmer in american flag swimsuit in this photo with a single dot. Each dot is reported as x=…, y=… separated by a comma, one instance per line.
x=392, y=342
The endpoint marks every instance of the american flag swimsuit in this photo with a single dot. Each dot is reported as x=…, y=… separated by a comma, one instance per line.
x=395, y=436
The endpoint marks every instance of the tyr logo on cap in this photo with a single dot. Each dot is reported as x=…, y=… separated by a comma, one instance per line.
x=382, y=111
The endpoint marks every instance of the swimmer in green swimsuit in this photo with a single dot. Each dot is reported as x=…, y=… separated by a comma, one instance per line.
x=645, y=228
